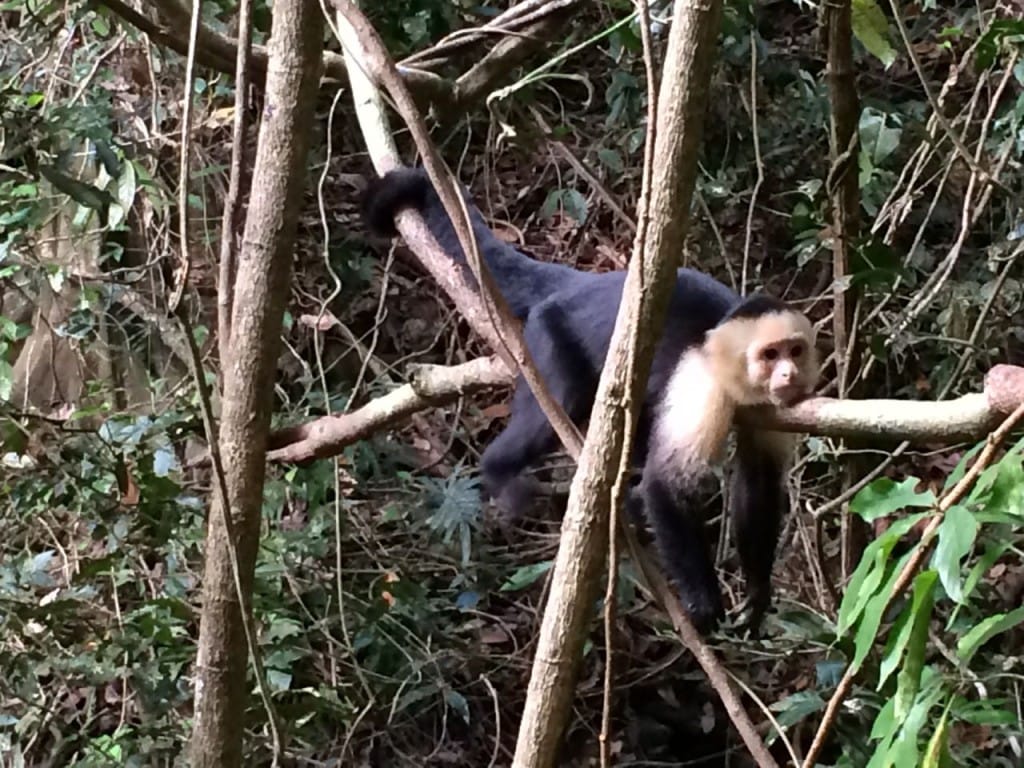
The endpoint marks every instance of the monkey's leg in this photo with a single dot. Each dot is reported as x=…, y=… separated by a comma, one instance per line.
x=674, y=515
x=528, y=434
x=759, y=500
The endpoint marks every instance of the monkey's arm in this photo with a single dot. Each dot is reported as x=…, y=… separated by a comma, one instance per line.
x=674, y=511
x=758, y=501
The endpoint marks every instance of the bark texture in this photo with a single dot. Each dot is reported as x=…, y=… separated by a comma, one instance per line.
x=293, y=71
x=682, y=102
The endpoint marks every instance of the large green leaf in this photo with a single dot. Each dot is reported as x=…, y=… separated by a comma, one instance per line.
x=871, y=28
x=956, y=538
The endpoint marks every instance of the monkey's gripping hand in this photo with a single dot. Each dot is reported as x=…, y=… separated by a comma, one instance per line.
x=752, y=611
x=674, y=516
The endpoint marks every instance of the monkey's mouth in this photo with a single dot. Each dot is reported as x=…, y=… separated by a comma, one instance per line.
x=789, y=395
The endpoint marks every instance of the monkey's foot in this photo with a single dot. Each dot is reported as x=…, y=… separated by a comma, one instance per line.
x=513, y=499
x=752, y=610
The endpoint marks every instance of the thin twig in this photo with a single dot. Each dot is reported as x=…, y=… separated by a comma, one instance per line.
x=185, y=261
x=232, y=203
x=618, y=490
x=961, y=148
x=758, y=162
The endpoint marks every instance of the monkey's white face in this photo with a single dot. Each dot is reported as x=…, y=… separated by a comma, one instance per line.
x=768, y=359
x=780, y=369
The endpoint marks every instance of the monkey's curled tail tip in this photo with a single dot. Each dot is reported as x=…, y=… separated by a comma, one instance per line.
x=387, y=195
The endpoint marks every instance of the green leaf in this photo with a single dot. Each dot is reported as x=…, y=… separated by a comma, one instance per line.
x=989, y=45
x=83, y=194
x=165, y=461
x=829, y=673
x=980, y=487
x=904, y=749
x=870, y=571
x=1006, y=493
x=575, y=204
x=909, y=678
x=871, y=28
x=986, y=712
x=985, y=631
x=936, y=754
x=570, y=200
x=280, y=628
x=960, y=470
x=26, y=190
x=864, y=581
x=885, y=725
x=878, y=139
x=108, y=157
x=526, y=575
x=901, y=635
x=6, y=380
x=884, y=731
x=458, y=702
x=873, y=612
x=885, y=496
x=278, y=680
x=100, y=26
x=993, y=551
x=956, y=538
x=612, y=160
x=416, y=695
x=794, y=708
x=125, y=191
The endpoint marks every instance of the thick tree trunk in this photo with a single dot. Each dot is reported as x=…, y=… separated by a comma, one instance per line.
x=264, y=264
x=681, y=105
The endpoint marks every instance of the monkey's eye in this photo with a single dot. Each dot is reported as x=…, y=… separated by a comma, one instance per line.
x=797, y=351
x=770, y=354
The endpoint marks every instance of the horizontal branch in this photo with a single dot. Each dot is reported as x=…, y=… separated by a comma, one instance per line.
x=966, y=418
x=920, y=421
x=525, y=31
x=429, y=385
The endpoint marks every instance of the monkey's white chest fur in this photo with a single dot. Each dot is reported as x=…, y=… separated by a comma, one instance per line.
x=692, y=420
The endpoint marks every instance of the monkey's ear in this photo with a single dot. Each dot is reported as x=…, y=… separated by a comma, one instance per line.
x=728, y=339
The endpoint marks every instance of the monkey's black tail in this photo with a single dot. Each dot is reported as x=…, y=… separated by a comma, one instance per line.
x=523, y=281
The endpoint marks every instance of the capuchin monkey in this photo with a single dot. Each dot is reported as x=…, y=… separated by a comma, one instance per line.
x=717, y=352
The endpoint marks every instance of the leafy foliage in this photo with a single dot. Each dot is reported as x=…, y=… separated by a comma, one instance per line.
x=395, y=626
x=933, y=695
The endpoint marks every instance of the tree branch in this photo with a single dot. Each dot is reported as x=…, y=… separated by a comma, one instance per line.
x=969, y=417
x=523, y=30
x=429, y=385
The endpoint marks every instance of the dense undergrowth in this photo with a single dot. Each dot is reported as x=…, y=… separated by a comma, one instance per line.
x=396, y=624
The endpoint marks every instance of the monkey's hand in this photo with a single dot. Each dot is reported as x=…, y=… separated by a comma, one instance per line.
x=705, y=611
x=753, y=609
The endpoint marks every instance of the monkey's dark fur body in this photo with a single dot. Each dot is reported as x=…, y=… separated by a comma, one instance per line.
x=569, y=316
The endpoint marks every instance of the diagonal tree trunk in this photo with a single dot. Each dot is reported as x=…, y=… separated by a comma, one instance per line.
x=682, y=101
x=261, y=288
